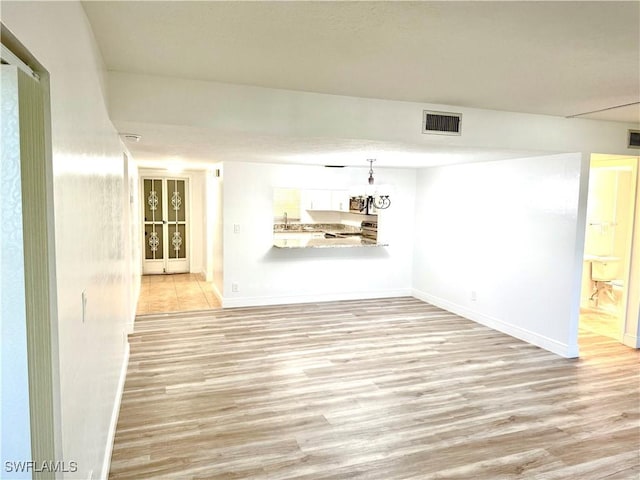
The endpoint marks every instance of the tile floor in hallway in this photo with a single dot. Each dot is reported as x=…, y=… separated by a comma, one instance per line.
x=175, y=293
x=600, y=323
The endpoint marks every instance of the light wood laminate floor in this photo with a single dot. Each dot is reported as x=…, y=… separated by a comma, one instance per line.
x=378, y=389
x=179, y=292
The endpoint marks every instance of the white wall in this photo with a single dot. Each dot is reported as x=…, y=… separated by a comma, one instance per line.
x=89, y=188
x=632, y=330
x=132, y=204
x=226, y=108
x=512, y=232
x=267, y=275
x=198, y=221
x=215, y=228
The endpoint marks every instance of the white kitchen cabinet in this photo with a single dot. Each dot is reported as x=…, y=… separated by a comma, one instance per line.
x=316, y=199
x=340, y=200
x=327, y=200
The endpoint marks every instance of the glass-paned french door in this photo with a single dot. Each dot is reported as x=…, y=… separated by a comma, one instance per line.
x=165, y=225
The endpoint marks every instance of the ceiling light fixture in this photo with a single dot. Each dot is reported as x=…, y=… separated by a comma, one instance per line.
x=131, y=137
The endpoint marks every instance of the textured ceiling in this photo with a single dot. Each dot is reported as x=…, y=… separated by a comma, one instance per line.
x=554, y=58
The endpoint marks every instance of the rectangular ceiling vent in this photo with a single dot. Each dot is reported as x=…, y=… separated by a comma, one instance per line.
x=442, y=123
x=634, y=139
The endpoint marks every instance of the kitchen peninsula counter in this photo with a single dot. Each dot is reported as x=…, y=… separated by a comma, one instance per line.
x=336, y=242
x=321, y=236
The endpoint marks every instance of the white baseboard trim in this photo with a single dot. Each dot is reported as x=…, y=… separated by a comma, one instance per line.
x=106, y=462
x=217, y=293
x=137, y=286
x=197, y=269
x=324, y=297
x=631, y=340
x=562, y=349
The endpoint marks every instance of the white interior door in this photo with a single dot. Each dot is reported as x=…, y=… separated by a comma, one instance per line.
x=165, y=224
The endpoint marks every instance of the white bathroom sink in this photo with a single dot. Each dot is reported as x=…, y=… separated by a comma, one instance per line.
x=603, y=268
x=600, y=258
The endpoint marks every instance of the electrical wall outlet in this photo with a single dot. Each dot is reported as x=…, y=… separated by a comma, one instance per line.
x=235, y=287
x=236, y=228
x=474, y=296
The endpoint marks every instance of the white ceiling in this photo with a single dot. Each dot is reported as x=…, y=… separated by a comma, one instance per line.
x=553, y=58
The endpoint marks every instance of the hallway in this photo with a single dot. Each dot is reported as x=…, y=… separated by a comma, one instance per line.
x=181, y=292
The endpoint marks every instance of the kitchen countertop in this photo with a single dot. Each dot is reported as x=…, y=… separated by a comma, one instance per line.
x=320, y=241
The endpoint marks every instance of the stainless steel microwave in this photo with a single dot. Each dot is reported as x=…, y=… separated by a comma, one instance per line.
x=357, y=204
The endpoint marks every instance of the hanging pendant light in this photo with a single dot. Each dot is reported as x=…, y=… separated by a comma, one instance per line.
x=378, y=201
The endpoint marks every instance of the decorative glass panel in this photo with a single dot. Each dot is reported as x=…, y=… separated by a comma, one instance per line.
x=177, y=200
x=182, y=228
x=178, y=241
x=153, y=242
x=153, y=200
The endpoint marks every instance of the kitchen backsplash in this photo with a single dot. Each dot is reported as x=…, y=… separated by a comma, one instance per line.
x=314, y=227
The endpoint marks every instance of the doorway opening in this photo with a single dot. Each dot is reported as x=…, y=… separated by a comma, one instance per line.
x=173, y=277
x=605, y=306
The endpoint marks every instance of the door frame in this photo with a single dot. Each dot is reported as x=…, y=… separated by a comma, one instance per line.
x=36, y=410
x=633, y=162
x=144, y=173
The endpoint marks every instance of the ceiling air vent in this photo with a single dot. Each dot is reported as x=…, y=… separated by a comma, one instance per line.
x=442, y=123
x=634, y=139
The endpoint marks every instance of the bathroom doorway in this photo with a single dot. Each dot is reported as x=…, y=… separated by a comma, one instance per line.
x=605, y=309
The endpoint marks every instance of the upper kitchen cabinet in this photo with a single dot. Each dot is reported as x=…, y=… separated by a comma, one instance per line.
x=327, y=200
x=316, y=199
x=340, y=200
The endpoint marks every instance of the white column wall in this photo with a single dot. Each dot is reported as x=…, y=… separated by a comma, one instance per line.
x=197, y=221
x=214, y=232
x=509, y=234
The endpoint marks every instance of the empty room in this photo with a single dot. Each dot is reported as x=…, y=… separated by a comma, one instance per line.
x=320, y=240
